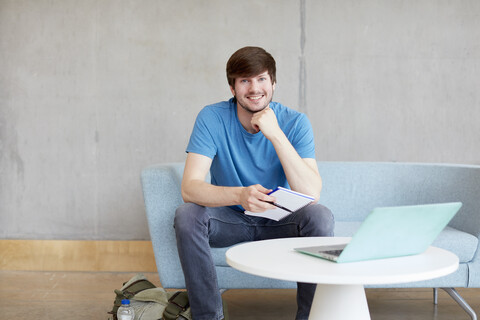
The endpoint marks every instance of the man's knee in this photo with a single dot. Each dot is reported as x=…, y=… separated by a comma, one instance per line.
x=187, y=217
x=319, y=221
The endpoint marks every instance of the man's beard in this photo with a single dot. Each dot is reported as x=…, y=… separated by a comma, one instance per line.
x=246, y=108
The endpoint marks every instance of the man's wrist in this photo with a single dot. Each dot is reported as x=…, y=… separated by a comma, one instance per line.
x=278, y=139
x=234, y=194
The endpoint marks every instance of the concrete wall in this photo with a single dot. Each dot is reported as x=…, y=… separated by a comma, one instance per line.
x=93, y=91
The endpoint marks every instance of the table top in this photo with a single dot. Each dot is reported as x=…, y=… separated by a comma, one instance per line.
x=276, y=259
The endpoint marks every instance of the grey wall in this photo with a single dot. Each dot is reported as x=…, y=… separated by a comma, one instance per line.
x=93, y=91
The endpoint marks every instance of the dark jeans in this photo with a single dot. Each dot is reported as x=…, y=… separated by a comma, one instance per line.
x=197, y=228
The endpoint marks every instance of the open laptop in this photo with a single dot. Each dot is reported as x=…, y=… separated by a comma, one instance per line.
x=391, y=232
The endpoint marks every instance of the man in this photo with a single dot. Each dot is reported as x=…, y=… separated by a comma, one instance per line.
x=250, y=145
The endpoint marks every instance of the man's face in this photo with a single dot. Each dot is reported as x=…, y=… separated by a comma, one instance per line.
x=255, y=93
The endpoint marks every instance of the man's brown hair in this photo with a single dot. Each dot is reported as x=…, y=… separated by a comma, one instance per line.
x=248, y=62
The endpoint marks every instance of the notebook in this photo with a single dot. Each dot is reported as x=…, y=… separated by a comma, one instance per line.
x=287, y=202
x=391, y=232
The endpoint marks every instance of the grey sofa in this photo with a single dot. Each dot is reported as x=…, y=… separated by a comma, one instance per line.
x=351, y=190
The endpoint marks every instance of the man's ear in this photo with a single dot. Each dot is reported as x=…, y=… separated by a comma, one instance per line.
x=232, y=90
x=274, y=85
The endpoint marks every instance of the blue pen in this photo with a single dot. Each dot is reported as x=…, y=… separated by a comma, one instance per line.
x=279, y=206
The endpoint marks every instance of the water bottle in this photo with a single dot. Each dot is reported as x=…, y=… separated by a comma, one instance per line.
x=125, y=312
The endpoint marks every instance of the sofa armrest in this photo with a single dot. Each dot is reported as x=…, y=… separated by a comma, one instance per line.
x=161, y=191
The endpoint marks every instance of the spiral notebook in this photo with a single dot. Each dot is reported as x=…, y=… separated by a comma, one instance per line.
x=287, y=202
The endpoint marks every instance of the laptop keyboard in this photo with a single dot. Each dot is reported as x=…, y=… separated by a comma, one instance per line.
x=333, y=252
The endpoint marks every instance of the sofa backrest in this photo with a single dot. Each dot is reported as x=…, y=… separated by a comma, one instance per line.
x=352, y=189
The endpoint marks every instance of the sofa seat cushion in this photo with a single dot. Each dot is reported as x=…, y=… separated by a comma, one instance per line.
x=461, y=243
x=218, y=255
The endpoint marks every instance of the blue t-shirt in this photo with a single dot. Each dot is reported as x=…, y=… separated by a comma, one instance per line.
x=240, y=158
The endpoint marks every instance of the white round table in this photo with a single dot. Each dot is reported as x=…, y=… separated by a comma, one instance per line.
x=340, y=293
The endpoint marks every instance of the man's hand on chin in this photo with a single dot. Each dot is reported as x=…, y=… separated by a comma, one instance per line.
x=266, y=121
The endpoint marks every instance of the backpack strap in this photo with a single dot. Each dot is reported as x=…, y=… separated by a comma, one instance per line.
x=176, y=304
x=137, y=287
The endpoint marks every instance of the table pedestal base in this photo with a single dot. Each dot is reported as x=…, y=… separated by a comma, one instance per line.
x=339, y=302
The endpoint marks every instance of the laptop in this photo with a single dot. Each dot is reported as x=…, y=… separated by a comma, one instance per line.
x=391, y=232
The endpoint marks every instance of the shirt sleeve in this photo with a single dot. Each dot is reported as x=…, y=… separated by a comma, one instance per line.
x=303, y=140
x=202, y=139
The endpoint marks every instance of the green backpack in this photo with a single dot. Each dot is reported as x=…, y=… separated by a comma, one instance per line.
x=152, y=303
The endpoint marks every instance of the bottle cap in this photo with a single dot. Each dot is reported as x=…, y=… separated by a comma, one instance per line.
x=125, y=301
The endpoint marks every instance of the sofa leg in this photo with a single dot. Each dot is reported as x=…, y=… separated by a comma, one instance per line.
x=458, y=298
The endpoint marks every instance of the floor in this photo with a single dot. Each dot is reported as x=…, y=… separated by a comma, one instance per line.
x=89, y=295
